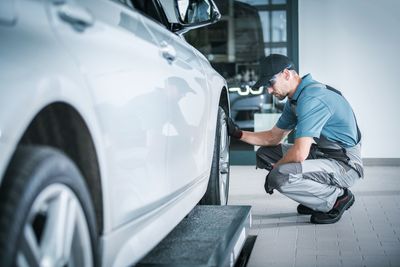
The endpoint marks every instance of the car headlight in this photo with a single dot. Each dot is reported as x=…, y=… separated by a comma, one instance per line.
x=247, y=90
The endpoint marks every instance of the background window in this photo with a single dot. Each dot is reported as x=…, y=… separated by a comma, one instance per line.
x=248, y=30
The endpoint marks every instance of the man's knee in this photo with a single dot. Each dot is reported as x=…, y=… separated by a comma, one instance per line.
x=279, y=175
x=276, y=178
x=263, y=159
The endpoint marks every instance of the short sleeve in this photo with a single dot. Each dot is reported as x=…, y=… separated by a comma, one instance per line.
x=287, y=120
x=312, y=115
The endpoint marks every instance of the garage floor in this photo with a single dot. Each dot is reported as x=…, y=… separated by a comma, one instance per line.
x=367, y=235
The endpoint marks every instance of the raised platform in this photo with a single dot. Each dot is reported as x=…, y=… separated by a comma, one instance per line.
x=208, y=236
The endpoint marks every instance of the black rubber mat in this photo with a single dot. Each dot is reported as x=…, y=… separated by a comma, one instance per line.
x=206, y=237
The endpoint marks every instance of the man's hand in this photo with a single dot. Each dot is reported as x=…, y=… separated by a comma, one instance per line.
x=298, y=152
x=233, y=129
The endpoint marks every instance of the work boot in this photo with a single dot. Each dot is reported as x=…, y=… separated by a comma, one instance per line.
x=342, y=203
x=304, y=210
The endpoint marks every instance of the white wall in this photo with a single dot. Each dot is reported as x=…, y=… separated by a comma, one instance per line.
x=354, y=45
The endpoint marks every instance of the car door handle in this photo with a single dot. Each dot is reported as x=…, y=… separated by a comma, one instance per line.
x=168, y=51
x=79, y=17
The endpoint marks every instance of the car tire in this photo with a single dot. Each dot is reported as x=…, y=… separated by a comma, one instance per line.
x=218, y=184
x=46, y=214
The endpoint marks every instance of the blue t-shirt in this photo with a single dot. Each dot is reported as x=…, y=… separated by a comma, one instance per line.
x=319, y=111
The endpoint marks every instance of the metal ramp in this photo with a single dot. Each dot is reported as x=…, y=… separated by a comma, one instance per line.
x=208, y=236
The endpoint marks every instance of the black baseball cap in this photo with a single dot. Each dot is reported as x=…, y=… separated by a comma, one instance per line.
x=271, y=65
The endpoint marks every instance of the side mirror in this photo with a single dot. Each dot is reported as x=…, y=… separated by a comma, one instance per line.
x=197, y=12
x=185, y=15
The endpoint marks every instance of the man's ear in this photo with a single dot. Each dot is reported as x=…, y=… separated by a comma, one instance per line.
x=287, y=74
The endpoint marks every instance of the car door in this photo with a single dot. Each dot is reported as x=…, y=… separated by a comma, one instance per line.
x=189, y=105
x=126, y=74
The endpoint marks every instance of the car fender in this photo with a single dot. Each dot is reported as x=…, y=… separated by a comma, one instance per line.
x=24, y=99
x=219, y=96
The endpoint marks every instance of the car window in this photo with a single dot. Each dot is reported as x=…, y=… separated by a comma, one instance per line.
x=152, y=9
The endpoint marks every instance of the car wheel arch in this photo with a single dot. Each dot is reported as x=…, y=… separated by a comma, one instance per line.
x=59, y=125
x=224, y=100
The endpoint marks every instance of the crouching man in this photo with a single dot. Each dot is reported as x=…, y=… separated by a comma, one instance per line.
x=325, y=159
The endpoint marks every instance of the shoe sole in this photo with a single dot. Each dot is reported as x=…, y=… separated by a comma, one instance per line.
x=348, y=206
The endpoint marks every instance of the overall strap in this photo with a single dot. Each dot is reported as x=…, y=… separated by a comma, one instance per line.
x=330, y=88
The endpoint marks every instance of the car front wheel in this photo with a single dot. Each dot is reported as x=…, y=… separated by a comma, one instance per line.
x=218, y=184
x=47, y=218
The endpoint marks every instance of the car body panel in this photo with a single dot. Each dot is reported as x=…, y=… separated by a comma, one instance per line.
x=188, y=110
x=132, y=129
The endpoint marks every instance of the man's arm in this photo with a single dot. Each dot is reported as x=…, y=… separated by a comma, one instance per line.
x=298, y=152
x=265, y=138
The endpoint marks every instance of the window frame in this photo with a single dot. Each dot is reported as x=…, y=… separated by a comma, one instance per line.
x=292, y=40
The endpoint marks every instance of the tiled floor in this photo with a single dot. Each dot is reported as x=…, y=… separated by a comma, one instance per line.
x=367, y=235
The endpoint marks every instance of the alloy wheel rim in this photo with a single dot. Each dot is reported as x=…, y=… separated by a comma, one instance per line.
x=223, y=162
x=56, y=232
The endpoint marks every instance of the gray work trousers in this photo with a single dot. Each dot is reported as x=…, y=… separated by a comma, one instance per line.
x=315, y=183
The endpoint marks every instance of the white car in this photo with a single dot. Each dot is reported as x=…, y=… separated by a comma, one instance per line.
x=112, y=128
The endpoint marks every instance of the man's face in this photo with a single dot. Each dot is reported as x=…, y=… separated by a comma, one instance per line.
x=278, y=86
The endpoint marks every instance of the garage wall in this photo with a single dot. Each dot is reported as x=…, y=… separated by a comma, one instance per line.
x=354, y=45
